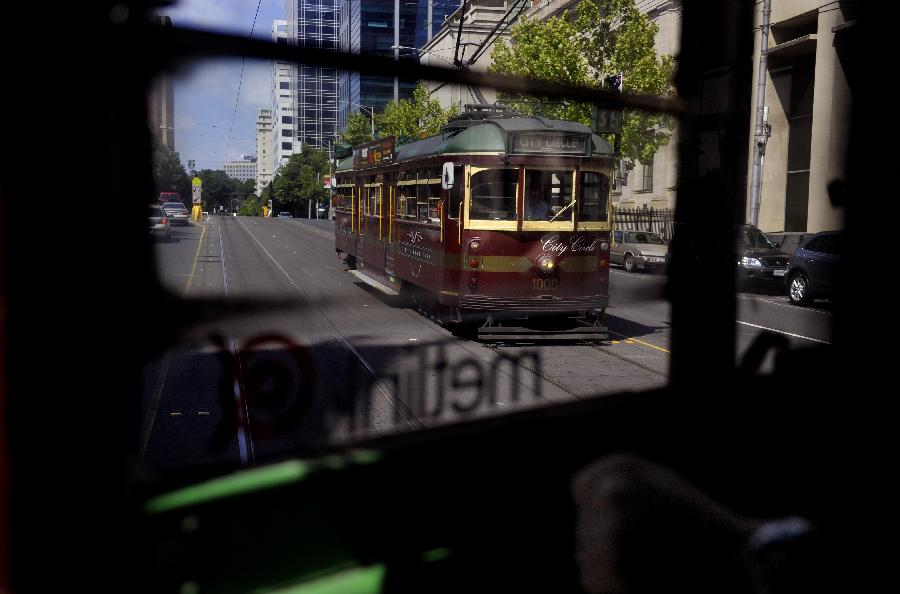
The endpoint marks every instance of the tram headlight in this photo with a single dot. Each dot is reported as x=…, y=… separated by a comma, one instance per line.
x=546, y=264
x=604, y=246
x=474, y=245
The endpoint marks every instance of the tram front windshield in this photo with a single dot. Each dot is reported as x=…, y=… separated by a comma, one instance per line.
x=494, y=195
x=548, y=195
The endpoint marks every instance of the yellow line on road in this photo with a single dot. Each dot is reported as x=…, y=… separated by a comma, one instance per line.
x=187, y=288
x=652, y=346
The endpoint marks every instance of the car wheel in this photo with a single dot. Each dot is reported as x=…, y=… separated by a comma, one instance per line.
x=629, y=263
x=798, y=289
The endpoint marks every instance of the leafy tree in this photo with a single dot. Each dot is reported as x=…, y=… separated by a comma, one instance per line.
x=606, y=37
x=414, y=118
x=358, y=130
x=299, y=181
x=221, y=190
x=168, y=173
x=251, y=207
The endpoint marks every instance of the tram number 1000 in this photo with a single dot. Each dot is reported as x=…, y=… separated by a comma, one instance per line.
x=544, y=284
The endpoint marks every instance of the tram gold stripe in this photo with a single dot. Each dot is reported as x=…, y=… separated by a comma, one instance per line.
x=579, y=264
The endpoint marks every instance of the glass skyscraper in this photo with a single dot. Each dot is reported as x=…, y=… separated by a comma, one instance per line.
x=368, y=28
x=315, y=23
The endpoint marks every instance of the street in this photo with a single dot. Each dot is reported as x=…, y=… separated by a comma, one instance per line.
x=325, y=360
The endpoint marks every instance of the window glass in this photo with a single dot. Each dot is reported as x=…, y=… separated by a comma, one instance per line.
x=594, y=197
x=493, y=195
x=547, y=193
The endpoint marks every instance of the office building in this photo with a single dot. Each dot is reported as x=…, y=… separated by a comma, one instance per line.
x=242, y=169
x=385, y=28
x=265, y=157
x=284, y=98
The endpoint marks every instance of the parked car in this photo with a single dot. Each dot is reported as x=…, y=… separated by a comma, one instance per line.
x=159, y=223
x=813, y=267
x=788, y=241
x=178, y=213
x=759, y=261
x=637, y=250
x=284, y=215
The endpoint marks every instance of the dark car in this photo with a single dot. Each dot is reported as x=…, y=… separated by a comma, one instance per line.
x=788, y=241
x=759, y=262
x=813, y=267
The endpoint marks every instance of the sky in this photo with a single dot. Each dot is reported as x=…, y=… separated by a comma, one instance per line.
x=206, y=92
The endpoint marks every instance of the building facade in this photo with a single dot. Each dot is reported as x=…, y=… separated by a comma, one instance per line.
x=388, y=28
x=284, y=98
x=479, y=21
x=242, y=169
x=161, y=103
x=806, y=111
x=265, y=158
x=314, y=89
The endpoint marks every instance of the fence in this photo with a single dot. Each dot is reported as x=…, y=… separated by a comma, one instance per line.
x=660, y=221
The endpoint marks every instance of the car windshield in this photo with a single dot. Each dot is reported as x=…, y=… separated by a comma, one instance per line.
x=642, y=237
x=174, y=206
x=756, y=239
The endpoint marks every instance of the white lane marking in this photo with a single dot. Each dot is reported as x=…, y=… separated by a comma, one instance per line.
x=222, y=258
x=788, y=305
x=783, y=332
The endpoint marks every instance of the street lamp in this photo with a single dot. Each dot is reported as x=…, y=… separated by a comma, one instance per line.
x=368, y=110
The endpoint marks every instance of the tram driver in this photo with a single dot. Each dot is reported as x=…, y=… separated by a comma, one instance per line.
x=537, y=199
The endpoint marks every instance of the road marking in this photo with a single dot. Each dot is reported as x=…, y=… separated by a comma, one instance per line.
x=631, y=338
x=783, y=332
x=788, y=305
x=187, y=288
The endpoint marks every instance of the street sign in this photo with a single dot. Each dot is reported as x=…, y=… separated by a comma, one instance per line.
x=196, y=186
x=607, y=120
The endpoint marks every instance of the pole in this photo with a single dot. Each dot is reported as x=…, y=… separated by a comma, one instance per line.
x=760, y=133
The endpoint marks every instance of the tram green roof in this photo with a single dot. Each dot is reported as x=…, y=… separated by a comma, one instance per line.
x=488, y=136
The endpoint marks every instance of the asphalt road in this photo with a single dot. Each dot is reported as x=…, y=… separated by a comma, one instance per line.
x=327, y=360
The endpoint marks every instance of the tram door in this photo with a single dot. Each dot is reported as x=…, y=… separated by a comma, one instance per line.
x=390, y=209
x=452, y=236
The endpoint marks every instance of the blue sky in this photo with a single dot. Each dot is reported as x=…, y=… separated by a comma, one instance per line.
x=205, y=92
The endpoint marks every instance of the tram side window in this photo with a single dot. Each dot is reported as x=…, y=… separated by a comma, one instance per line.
x=374, y=201
x=547, y=193
x=494, y=195
x=594, y=197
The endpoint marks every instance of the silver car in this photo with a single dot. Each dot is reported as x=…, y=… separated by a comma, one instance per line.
x=158, y=223
x=637, y=250
x=177, y=212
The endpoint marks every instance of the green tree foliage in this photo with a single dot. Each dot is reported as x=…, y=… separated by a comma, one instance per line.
x=299, y=181
x=414, y=118
x=168, y=173
x=358, y=130
x=251, y=207
x=221, y=190
x=606, y=37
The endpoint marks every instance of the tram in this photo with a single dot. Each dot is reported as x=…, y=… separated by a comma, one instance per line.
x=500, y=223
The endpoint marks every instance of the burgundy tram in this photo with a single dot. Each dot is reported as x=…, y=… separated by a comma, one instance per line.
x=501, y=223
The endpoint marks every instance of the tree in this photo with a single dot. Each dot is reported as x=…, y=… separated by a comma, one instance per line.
x=414, y=118
x=168, y=173
x=607, y=37
x=299, y=181
x=221, y=190
x=358, y=130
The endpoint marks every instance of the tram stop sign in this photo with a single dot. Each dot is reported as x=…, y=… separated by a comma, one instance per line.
x=196, y=185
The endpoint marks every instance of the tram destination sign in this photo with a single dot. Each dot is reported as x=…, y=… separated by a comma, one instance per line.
x=559, y=144
x=374, y=153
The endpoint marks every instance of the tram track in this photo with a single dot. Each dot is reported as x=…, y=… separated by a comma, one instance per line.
x=409, y=416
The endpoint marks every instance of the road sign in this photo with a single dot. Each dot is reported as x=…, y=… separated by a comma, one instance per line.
x=608, y=120
x=196, y=186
